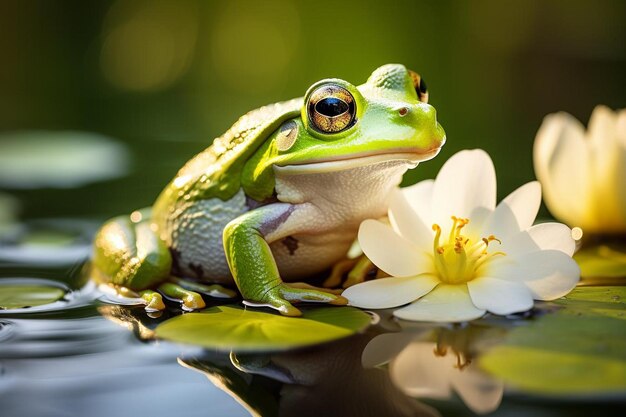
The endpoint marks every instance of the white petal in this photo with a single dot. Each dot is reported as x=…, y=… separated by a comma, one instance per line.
x=390, y=252
x=500, y=296
x=561, y=163
x=408, y=223
x=446, y=303
x=607, y=163
x=545, y=236
x=419, y=373
x=618, y=223
x=465, y=185
x=479, y=391
x=385, y=347
x=420, y=197
x=620, y=182
x=516, y=212
x=601, y=129
x=549, y=274
x=389, y=292
x=501, y=223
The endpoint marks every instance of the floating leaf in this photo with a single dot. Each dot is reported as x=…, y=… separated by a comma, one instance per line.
x=233, y=328
x=580, y=349
x=48, y=242
x=604, y=301
x=602, y=262
x=14, y=295
x=35, y=159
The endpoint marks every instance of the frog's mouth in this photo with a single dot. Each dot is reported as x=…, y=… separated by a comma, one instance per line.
x=341, y=163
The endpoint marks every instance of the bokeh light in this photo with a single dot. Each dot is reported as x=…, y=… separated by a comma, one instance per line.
x=148, y=45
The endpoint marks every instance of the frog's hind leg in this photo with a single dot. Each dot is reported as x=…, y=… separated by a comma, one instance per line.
x=130, y=258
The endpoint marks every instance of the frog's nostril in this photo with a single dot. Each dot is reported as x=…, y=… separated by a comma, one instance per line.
x=403, y=111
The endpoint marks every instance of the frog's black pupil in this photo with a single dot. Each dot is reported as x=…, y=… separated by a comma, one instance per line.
x=331, y=106
x=423, y=86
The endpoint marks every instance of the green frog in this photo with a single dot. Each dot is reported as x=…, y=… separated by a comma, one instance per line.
x=276, y=199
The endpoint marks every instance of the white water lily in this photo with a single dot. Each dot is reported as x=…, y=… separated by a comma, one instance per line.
x=454, y=255
x=583, y=173
x=423, y=369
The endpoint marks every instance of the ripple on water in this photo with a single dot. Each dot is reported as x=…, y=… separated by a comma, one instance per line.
x=6, y=329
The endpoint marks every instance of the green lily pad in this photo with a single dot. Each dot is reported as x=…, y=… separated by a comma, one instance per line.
x=232, y=328
x=603, y=301
x=28, y=295
x=601, y=262
x=579, y=349
x=59, y=159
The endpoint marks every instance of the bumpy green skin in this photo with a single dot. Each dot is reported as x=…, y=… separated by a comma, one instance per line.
x=130, y=254
x=389, y=119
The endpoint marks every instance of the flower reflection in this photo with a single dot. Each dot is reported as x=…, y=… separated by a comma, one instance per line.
x=424, y=369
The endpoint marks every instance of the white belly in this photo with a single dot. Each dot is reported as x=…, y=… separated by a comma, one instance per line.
x=329, y=208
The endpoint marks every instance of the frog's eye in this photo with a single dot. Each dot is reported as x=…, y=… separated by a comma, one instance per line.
x=420, y=86
x=331, y=109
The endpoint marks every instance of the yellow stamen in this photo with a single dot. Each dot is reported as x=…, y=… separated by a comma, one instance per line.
x=458, y=259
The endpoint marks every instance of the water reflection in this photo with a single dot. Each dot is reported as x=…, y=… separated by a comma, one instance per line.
x=90, y=366
x=328, y=381
x=78, y=356
x=423, y=368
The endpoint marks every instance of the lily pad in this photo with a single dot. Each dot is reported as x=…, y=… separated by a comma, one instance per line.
x=36, y=159
x=602, y=262
x=14, y=295
x=233, y=328
x=48, y=242
x=580, y=349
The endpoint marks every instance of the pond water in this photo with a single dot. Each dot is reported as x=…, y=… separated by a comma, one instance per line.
x=82, y=356
x=67, y=351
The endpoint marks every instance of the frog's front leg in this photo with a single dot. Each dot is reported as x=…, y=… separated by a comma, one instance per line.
x=246, y=244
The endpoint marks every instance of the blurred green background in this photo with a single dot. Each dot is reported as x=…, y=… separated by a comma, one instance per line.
x=166, y=77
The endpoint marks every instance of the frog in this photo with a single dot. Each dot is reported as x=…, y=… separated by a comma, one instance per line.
x=277, y=199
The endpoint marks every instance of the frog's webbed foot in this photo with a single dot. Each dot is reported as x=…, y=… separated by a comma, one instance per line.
x=212, y=290
x=337, y=273
x=359, y=271
x=190, y=300
x=124, y=295
x=356, y=268
x=281, y=296
x=154, y=301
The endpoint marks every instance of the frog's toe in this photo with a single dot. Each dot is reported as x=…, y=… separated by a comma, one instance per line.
x=300, y=292
x=212, y=290
x=154, y=301
x=338, y=271
x=278, y=303
x=361, y=269
x=305, y=286
x=190, y=300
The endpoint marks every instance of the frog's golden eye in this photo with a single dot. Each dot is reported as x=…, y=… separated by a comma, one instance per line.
x=331, y=109
x=420, y=86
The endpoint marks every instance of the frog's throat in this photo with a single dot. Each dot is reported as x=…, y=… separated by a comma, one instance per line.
x=412, y=159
